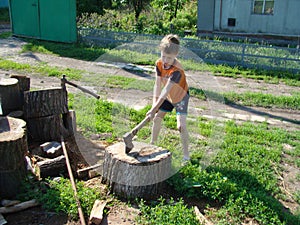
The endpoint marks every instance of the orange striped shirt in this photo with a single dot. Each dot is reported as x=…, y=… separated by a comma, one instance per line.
x=177, y=75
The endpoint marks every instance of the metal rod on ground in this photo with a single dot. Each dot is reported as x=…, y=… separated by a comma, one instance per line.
x=80, y=212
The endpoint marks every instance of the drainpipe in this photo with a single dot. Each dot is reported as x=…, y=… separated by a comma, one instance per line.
x=220, y=20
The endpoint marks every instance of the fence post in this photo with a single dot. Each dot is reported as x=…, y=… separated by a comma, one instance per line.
x=243, y=55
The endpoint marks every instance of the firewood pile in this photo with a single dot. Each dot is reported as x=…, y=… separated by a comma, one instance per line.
x=45, y=119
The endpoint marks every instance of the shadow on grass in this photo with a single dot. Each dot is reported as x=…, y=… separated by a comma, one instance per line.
x=70, y=50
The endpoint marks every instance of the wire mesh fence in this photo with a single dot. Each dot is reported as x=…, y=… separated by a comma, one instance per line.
x=210, y=51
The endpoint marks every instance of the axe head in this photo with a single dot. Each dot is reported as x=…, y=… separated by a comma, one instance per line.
x=128, y=141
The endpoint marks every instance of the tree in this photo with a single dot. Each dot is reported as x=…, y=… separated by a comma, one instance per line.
x=169, y=6
x=92, y=6
x=139, y=6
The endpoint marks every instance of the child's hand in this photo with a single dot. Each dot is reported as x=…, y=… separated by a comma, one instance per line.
x=150, y=114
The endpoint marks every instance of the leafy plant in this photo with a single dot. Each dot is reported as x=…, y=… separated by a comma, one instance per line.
x=58, y=196
x=163, y=212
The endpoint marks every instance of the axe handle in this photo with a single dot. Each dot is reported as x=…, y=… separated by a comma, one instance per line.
x=83, y=89
x=65, y=81
x=140, y=125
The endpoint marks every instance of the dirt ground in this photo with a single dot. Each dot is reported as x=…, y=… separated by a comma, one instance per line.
x=122, y=214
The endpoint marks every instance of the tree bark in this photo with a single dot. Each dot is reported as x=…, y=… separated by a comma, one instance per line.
x=44, y=129
x=44, y=103
x=51, y=167
x=13, y=147
x=138, y=174
x=24, y=82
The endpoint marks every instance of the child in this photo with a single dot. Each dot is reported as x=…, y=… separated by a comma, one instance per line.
x=171, y=77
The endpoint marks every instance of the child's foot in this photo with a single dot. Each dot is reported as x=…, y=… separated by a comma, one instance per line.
x=185, y=160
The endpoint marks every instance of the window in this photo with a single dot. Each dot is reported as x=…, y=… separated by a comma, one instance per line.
x=263, y=7
x=231, y=22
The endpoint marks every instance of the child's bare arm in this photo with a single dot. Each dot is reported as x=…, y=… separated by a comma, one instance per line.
x=157, y=89
x=161, y=99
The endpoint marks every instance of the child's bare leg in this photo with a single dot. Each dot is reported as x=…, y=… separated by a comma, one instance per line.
x=181, y=125
x=156, y=126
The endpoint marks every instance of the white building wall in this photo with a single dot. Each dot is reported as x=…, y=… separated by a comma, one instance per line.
x=284, y=21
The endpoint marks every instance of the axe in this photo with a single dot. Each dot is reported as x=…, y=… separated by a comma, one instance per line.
x=129, y=135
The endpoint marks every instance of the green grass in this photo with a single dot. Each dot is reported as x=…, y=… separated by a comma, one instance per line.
x=5, y=35
x=264, y=100
x=42, y=69
x=267, y=76
x=171, y=213
x=126, y=83
x=76, y=51
x=243, y=175
x=58, y=196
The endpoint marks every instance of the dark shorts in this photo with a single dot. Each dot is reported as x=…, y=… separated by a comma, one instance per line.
x=181, y=107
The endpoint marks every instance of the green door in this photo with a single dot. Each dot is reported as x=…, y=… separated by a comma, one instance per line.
x=25, y=17
x=58, y=20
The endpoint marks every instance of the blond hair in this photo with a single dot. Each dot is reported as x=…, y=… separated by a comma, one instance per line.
x=170, y=44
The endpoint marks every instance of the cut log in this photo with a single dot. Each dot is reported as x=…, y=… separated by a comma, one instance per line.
x=45, y=129
x=19, y=207
x=16, y=114
x=24, y=85
x=51, y=167
x=70, y=118
x=10, y=98
x=24, y=82
x=96, y=215
x=76, y=158
x=13, y=147
x=141, y=173
x=43, y=103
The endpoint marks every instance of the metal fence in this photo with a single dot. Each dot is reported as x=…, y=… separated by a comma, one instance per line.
x=210, y=51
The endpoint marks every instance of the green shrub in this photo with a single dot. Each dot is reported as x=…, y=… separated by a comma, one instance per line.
x=171, y=213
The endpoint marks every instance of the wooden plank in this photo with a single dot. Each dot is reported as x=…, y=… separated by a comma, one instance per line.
x=97, y=212
x=8, y=203
x=19, y=207
x=85, y=172
x=201, y=218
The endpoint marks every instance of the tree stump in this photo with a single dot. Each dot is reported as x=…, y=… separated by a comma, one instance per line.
x=138, y=174
x=49, y=128
x=24, y=85
x=45, y=112
x=13, y=146
x=46, y=102
x=24, y=82
x=10, y=98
